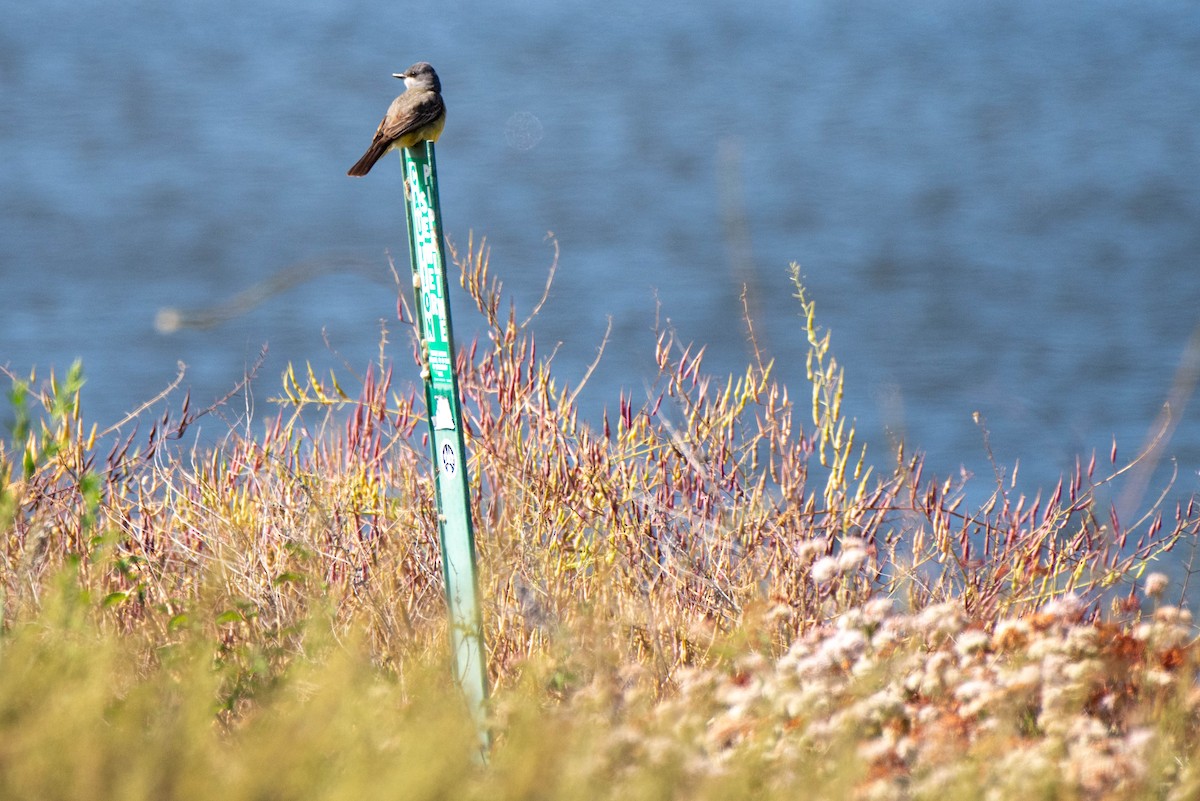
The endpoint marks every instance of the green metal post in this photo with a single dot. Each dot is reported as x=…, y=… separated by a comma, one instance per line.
x=445, y=427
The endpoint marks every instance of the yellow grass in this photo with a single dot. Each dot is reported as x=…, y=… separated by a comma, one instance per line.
x=712, y=593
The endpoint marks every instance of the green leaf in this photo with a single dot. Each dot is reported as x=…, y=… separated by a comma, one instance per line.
x=114, y=598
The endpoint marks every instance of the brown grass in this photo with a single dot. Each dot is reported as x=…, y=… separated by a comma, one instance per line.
x=709, y=519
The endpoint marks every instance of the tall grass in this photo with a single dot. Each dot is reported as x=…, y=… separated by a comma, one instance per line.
x=713, y=592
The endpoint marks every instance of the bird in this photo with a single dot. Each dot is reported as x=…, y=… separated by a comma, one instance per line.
x=416, y=116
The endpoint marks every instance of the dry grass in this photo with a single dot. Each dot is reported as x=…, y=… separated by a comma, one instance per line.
x=710, y=594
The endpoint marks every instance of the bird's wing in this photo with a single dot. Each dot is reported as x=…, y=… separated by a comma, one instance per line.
x=408, y=113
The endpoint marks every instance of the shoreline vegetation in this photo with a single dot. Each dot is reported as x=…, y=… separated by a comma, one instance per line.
x=712, y=594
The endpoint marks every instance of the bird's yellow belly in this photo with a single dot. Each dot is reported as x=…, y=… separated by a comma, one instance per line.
x=429, y=133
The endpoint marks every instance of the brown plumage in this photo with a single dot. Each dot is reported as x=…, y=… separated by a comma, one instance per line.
x=416, y=116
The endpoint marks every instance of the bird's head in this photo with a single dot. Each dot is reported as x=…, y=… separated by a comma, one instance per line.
x=420, y=76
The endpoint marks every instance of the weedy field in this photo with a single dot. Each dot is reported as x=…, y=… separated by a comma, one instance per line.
x=712, y=593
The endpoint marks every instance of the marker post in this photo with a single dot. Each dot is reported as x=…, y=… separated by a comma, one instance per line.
x=445, y=427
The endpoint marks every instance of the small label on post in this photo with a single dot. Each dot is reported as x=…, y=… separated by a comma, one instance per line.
x=443, y=418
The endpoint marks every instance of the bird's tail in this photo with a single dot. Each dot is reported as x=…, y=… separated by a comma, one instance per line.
x=374, y=153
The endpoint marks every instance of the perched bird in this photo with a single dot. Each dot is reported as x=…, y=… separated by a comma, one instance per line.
x=416, y=116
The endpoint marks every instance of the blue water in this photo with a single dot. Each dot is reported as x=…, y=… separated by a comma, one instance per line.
x=996, y=205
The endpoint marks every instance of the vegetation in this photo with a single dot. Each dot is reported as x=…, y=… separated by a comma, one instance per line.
x=711, y=594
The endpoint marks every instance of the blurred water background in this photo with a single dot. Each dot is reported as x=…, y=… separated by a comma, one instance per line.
x=995, y=204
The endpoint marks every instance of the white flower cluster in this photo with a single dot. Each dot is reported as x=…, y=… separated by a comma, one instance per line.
x=847, y=561
x=1042, y=699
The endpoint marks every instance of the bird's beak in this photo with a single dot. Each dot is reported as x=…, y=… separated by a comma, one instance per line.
x=399, y=75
